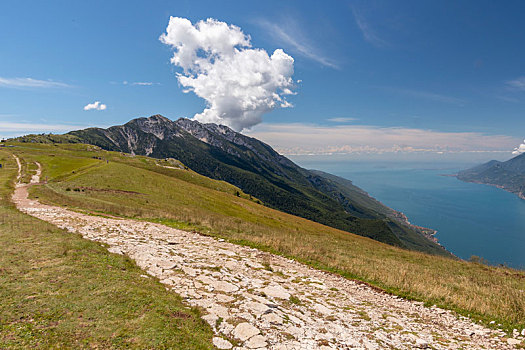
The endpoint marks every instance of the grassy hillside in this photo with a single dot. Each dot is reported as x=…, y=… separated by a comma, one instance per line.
x=61, y=291
x=144, y=188
x=220, y=153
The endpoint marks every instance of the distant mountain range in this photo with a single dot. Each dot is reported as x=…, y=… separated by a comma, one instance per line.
x=220, y=153
x=509, y=175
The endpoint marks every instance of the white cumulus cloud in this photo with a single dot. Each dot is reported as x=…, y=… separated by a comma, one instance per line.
x=520, y=149
x=96, y=106
x=239, y=83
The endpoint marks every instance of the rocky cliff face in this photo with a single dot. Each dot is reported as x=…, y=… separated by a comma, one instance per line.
x=223, y=137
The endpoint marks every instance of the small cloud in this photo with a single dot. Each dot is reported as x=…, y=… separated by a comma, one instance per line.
x=516, y=84
x=427, y=95
x=507, y=99
x=367, y=31
x=342, y=120
x=139, y=83
x=288, y=33
x=30, y=83
x=36, y=127
x=145, y=83
x=96, y=106
x=520, y=149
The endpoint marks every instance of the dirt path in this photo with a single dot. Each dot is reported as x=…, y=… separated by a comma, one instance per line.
x=36, y=178
x=255, y=300
x=19, y=175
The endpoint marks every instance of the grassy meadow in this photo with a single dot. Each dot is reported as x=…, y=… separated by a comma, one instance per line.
x=85, y=178
x=58, y=290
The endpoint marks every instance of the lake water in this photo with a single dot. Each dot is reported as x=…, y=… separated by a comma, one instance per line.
x=471, y=219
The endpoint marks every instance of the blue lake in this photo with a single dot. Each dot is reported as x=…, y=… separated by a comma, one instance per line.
x=471, y=219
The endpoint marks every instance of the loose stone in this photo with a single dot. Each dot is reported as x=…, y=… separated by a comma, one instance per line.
x=256, y=342
x=244, y=331
x=221, y=343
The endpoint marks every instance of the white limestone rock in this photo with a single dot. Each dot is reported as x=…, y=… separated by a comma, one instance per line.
x=221, y=343
x=256, y=342
x=245, y=331
x=276, y=291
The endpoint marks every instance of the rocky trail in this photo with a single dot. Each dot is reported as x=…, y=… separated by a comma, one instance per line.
x=256, y=300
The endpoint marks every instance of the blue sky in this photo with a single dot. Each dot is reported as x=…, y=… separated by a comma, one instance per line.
x=405, y=76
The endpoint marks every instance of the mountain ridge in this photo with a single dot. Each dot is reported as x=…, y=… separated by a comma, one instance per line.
x=220, y=153
x=508, y=175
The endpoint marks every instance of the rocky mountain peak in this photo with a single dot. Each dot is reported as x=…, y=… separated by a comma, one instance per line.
x=210, y=133
x=157, y=125
x=221, y=136
x=159, y=118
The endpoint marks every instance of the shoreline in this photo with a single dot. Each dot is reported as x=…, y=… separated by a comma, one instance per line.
x=429, y=233
x=520, y=195
x=402, y=219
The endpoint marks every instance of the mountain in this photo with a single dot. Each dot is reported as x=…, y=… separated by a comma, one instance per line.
x=220, y=153
x=509, y=175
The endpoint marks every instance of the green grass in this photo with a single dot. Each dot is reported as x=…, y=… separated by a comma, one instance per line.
x=295, y=300
x=58, y=290
x=136, y=187
x=259, y=171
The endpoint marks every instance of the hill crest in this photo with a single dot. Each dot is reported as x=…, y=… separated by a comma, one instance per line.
x=218, y=152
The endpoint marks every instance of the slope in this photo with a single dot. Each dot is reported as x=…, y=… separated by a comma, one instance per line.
x=220, y=153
